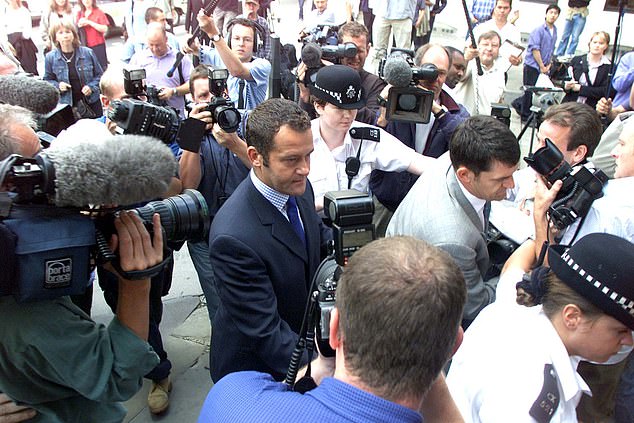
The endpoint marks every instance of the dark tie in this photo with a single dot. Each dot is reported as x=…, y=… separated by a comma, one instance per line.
x=293, y=217
x=487, y=212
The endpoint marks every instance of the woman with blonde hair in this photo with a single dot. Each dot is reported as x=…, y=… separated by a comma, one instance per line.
x=74, y=70
x=590, y=72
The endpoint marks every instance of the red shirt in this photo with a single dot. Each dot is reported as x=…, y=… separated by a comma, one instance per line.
x=94, y=37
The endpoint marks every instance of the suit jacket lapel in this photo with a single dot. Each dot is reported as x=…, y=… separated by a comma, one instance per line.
x=281, y=228
x=456, y=192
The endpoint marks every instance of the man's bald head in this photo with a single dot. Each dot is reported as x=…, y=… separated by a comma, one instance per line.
x=157, y=39
x=16, y=132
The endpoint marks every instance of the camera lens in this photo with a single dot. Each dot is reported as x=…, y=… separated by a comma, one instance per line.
x=227, y=117
x=183, y=217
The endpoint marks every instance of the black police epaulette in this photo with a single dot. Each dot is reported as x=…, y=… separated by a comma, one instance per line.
x=547, y=402
x=365, y=133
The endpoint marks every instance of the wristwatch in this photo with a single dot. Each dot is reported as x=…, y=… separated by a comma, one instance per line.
x=216, y=38
x=441, y=113
x=174, y=91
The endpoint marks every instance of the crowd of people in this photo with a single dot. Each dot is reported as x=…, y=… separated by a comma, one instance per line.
x=523, y=337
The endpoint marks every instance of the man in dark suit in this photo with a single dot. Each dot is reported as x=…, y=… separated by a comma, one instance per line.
x=262, y=252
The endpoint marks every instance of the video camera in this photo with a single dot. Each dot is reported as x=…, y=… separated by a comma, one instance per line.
x=581, y=185
x=56, y=247
x=222, y=110
x=152, y=118
x=407, y=101
x=321, y=34
x=323, y=43
x=559, y=70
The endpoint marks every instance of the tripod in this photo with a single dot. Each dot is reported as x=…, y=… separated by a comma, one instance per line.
x=534, y=120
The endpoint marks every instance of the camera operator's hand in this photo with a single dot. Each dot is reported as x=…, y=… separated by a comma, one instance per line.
x=232, y=142
x=193, y=48
x=85, y=90
x=165, y=93
x=381, y=120
x=199, y=112
x=304, y=92
x=207, y=24
x=604, y=106
x=544, y=197
x=10, y=412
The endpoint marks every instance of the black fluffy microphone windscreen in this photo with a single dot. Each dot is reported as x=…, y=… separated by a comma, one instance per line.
x=397, y=72
x=121, y=170
x=33, y=94
x=311, y=55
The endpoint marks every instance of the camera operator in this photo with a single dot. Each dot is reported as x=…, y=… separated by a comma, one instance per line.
x=157, y=59
x=58, y=361
x=249, y=75
x=264, y=246
x=337, y=94
x=381, y=374
x=477, y=92
x=372, y=85
x=449, y=206
x=216, y=171
x=429, y=139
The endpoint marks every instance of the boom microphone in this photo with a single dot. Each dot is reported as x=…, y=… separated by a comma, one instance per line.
x=33, y=94
x=397, y=72
x=121, y=170
x=177, y=62
x=311, y=55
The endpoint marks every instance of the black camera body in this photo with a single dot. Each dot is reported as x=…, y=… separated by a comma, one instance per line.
x=322, y=34
x=581, y=185
x=222, y=109
x=350, y=214
x=134, y=86
x=137, y=117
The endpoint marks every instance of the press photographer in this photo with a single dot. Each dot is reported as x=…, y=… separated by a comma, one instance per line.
x=380, y=373
x=351, y=33
x=215, y=168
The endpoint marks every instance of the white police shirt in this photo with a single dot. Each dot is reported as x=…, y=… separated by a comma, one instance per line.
x=328, y=168
x=498, y=373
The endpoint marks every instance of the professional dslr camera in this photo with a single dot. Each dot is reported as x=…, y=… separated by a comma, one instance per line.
x=407, y=102
x=152, y=118
x=581, y=185
x=222, y=110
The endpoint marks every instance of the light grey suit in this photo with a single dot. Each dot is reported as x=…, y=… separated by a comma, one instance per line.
x=437, y=211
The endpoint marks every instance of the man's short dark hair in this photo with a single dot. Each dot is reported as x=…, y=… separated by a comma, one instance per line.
x=510, y=2
x=584, y=123
x=553, y=6
x=400, y=303
x=267, y=118
x=480, y=141
x=151, y=13
x=353, y=29
x=418, y=58
x=201, y=71
x=452, y=51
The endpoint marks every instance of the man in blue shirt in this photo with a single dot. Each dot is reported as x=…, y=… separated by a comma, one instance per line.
x=394, y=325
x=541, y=45
x=248, y=75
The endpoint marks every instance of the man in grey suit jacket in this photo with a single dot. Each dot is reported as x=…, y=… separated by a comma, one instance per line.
x=448, y=206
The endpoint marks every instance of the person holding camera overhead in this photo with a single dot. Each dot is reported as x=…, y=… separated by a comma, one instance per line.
x=248, y=75
x=74, y=70
x=343, y=159
x=157, y=59
x=215, y=171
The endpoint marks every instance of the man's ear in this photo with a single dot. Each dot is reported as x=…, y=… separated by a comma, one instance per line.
x=105, y=101
x=254, y=157
x=334, y=340
x=580, y=153
x=458, y=342
x=464, y=175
